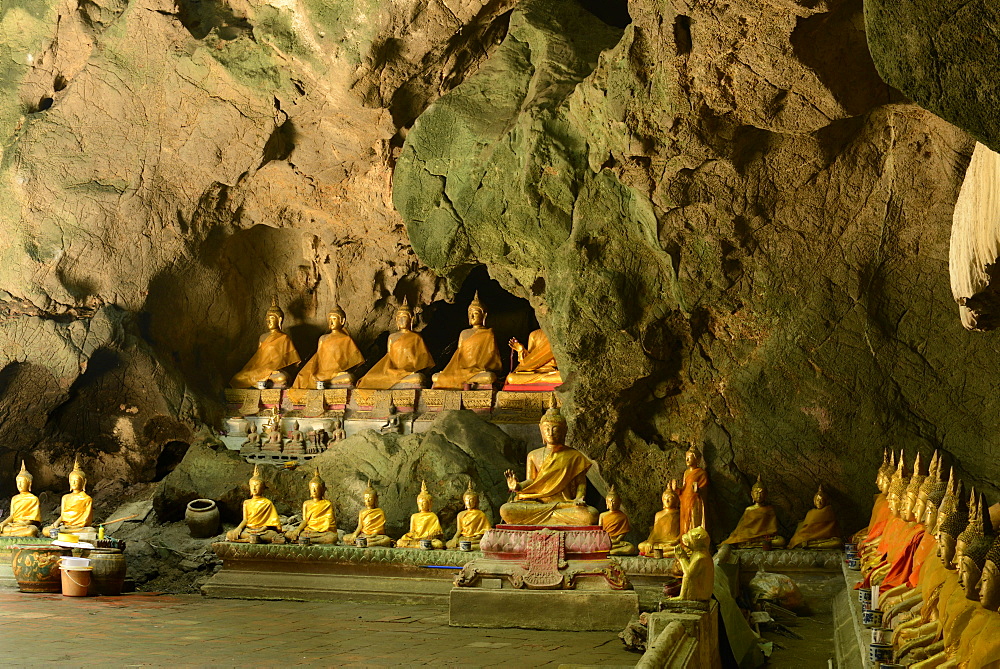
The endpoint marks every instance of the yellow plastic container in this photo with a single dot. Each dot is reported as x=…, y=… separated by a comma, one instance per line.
x=68, y=538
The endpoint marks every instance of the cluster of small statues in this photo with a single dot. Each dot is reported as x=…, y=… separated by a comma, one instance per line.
x=474, y=364
x=296, y=442
x=76, y=510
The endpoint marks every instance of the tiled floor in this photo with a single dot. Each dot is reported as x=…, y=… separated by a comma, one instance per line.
x=188, y=630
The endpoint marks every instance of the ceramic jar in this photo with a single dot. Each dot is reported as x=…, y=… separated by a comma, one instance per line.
x=202, y=518
x=36, y=568
x=107, y=573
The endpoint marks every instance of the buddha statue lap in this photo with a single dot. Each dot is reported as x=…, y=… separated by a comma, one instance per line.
x=666, y=531
x=371, y=522
x=553, y=493
x=536, y=365
x=694, y=493
x=758, y=528
x=406, y=357
x=617, y=525
x=336, y=354
x=424, y=525
x=260, y=523
x=820, y=528
x=296, y=444
x=275, y=358
x=25, y=513
x=470, y=524
x=76, y=511
x=319, y=525
x=477, y=360
x=697, y=566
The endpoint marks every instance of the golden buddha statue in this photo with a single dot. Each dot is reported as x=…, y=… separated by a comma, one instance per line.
x=880, y=507
x=76, y=512
x=275, y=355
x=371, y=522
x=616, y=524
x=758, y=528
x=25, y=514
x=697, y=565
x=260, y=523
x=952, y=521
x=556, y=484
x=406, y=356
x=470, y=524
x=666, y=530
x=694, y=494
x=336, y=354
x=972, y=545
x=424, y=525
x=477, y=359
x=319, y=525
x=536, y=365
x=820, y=528
x=989, y=582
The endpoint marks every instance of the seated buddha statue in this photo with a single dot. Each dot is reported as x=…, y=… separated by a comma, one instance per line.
x=694, y=492
x=536, y=365
x=477, y=360
x=424, y=524
x=553, y=493
x=405, y=358
x=371, y=522
x=879, y=508
x=76, y=511
x=319, y=525
x=470, y=524
x=25, y=515
x=275, y=358
x=251, y=444
x=697, y=566
x=983, y=649
x=758, y=528
x=260, y=523
x=616, y=524
x=296, y=444
x=336, y=354
x=666, y=530
x=971, y=547
x=819, y=529
x=275, y=441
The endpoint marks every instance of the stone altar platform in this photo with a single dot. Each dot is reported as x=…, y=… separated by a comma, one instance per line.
x=685, y=635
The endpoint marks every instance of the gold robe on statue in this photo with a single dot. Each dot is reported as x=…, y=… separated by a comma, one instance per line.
x=615, y=523
x=757, y=522
x=371, y=522
x=260, y=513
x=407, y=355
x=274, y=353
x=538, y=364
x=77, y=510
x=818, y=524
x=549, y=498
x=472, y=523
x=423, y=525
x=336, y=354
x=665, y=533
x=318, y=515
x=476, y=353
x=24, y=512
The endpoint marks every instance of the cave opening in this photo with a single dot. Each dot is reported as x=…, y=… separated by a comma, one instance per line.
x=170, y=456
x=614, y=13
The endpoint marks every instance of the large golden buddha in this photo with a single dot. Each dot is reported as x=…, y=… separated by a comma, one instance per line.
x=819, y=529
x=557, y=481
x=758, y=528
x=25, y=514
x=76, y=512
x=335, y=355
x=274, y=358
x=477, y=359
x=406, y=357
x=536, y=365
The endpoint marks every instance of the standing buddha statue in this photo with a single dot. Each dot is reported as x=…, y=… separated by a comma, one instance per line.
x=424, y=525
x=260, y=523
x=406, y=356
x=536, y=365
x=470, y=524
x=616, y=524
x=666, y=530
x=477, y=359
x=275, y=356
x=25, y=515
x=758, y=528
x=694, y=494
x=371, y=522
x=819, y=529
x=336, y=354
x=76, y=511
x=319, y=525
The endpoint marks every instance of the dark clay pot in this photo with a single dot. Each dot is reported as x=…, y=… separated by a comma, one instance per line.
x=107, y=573
x=36, y=568
x=202, y=518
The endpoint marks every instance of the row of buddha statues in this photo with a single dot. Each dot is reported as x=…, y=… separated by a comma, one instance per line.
x=271, y=439
x=475, y=363
x=76, y=509
x=935, y=555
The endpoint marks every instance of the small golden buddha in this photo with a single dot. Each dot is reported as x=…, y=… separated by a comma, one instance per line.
x=694, y=494
x=477, y=360
x=260, y=523
x=697, y=566
x=758, y=528
x=319, y=525
x=76, y=513
x=25, y=514
x=616, y=524
x=536, y=364
x=275, y=357
x=336, y=354
x=666, y=530
x=371, y=522
x=819, y=529
x=553, y=493
x=424, y=525
x=406, y=357
x=471, y=524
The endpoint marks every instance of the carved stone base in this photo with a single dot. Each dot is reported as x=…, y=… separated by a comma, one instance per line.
x=573, y=610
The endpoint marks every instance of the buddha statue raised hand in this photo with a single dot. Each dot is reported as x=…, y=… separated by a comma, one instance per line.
x=76, y=511
x=758, y=528
x=371, y=522
x=25, y=515
x=274, y=361
x=319, y=525
x=336, y=354
x=819, y=529
x=553, y=493
x=260, y=523
x=470, y=524
x=476, y=360
x=424, y=524
x=666, y=530
x=616, y=524
x=405, y=358
x=536, y=365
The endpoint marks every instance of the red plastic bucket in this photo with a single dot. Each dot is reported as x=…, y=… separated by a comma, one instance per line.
x=75, y=581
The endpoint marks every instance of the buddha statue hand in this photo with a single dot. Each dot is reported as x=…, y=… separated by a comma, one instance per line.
x=511, y=480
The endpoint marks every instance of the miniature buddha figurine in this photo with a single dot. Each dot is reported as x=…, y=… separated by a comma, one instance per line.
x=616, y=524
x=406, y=357
x=820, y=528
x=275, y=441
x=260, y=523
x=336, y=354
x=470, y=524
x=477, y=359
x=252, y=443
x=557, y=481
x=758, y=528
x=666, y=530
x=694, y=493
x=76, y=513
x=275, y=356
x=25, y=514
x=697, y=565
x=536, y=365
x=371, y=522
x=296, y=444
x=318, y=526
x=338, y=433
x=424, y=525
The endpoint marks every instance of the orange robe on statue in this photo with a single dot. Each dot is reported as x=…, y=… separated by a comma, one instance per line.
x=407, y=355
x=476, y=353
x=693, y=503
x=615, y=523
x=336, y=354
x=274, y=353
x=818, y=524
x=757, y=522
x=880, y=515
x=472, y=523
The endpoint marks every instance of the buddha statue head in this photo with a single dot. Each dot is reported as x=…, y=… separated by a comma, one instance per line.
x=935, y=495
x=424, y=498
x=317, y=486
x=477, y=313
x=256, y=483
x=553, y=426
x=370, y=496
x=336, y=318
x=759, y=493
x=952, y=521
x=897, y=487
x=975, y=543
x=885, y=471
x=671, y=499
x=820, y=499
x=77, y=479
x=692, y=457
x=911, y=490
x=930, y=482
x=972, y=528
x=23, y=479
x=470, y=497
x=274, y=316
x=612, y=499
x=404, y=316
x=989, y=582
